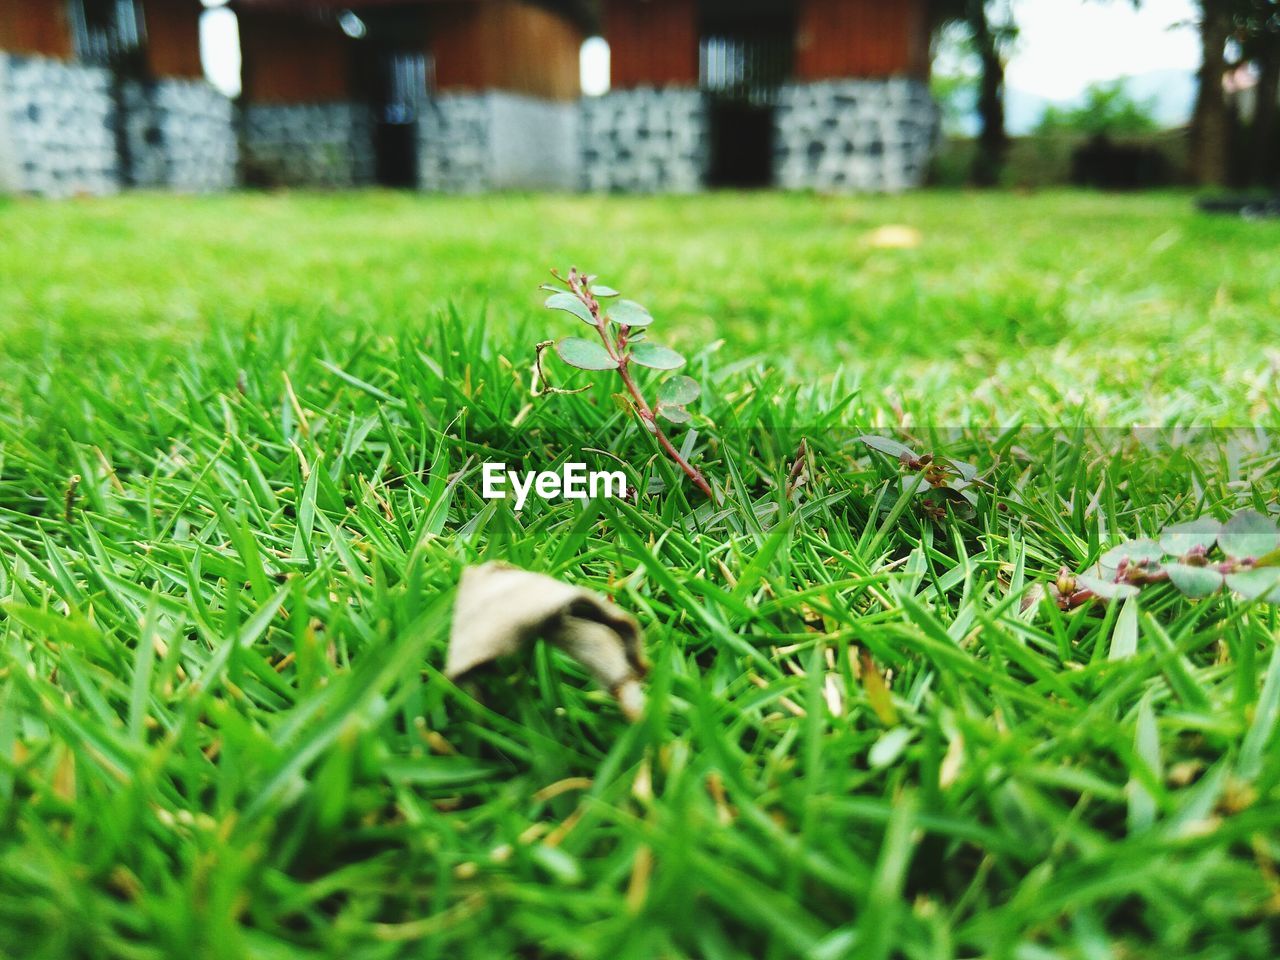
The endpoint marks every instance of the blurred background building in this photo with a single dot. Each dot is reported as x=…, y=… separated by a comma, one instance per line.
x=97, y=95
x=457, y=96
x=468, y=95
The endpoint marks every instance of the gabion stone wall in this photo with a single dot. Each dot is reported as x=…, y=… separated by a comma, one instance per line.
x=181, y=136
x=310, y=144
x=469, y=143
x=865, y=135
x=57, y=133
x=644, y=141
x=453, y=144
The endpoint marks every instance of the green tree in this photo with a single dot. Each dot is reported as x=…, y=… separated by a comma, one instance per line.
x=991, y=31
x=1211, y=121
x=1257, y=34
x=1108, y=110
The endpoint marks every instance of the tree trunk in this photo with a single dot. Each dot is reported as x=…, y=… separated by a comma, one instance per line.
x=1265, y=168
x=992, y=141
x=1210, y=125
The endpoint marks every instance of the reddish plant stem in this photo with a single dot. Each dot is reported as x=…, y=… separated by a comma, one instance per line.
x=578, y=284
x=647, y=415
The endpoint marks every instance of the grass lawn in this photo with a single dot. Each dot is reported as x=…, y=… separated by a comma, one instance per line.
x=240, y=446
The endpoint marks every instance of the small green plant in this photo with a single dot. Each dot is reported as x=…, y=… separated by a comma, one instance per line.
x=1200, y=558
x=939, y=483
x=621, y=343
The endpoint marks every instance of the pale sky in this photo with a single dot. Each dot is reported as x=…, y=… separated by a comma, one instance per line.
x=1065, y=45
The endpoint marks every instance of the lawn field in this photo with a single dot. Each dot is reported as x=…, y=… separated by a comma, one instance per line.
x=240, y=450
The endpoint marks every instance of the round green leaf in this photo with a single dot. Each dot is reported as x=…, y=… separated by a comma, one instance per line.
x=655, y=357
x=600, y=290
x=674, y=414
x=1259, y=583
x=585, y=354
x=679, y=391
x=570, y=304
x=1181, y=538
x=1194, y=582
x=628, y=313
x=1249, y=534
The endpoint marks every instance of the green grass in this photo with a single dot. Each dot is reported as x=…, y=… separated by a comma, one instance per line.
x=223, y=727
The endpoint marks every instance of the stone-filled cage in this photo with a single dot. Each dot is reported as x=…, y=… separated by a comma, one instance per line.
x=798, y=94
x=100, y=95
x=451, y=95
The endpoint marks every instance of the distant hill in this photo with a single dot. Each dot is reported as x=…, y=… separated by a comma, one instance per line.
x=1174, y=92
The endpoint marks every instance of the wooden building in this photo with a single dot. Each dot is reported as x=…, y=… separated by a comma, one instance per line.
x=821, y=94
x=469, y=95
x=96, y=95
x=446, y=94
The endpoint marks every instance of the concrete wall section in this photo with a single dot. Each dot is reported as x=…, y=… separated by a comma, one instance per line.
x=533, y=143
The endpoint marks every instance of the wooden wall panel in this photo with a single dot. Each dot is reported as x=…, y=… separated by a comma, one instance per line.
x=293, y=59
x=651, y=42
x=35, y=26
x=173, y=37
x=504, y=45
x=861, y=38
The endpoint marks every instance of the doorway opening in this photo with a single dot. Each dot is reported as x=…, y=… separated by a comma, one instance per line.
x=744, y=57
x=394, y=70
x=112, y=34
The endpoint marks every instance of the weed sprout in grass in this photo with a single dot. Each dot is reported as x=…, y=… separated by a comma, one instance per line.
x=941, y=484
x=621, y=342
x=1200, y=558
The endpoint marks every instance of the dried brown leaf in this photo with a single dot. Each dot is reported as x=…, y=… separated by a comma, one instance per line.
x=501, y=608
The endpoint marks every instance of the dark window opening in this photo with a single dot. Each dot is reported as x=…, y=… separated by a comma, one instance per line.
x=745, y=55
x=108, y=33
